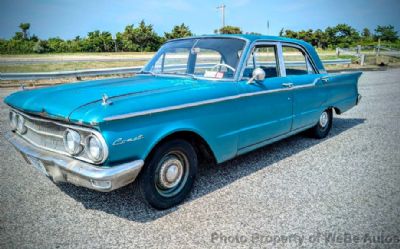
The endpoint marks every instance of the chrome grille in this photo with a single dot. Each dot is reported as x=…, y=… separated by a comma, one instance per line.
x=48, y=135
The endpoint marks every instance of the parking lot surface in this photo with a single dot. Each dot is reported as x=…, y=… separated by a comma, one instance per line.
x=296, y=192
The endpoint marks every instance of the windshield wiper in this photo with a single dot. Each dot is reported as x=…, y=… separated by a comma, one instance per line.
x=147, y=72
x=181, y=74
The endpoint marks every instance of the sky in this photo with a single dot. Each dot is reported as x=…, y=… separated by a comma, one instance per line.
x=69, y=18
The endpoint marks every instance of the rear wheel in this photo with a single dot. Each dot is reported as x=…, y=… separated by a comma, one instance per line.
x=168, y=176
x=324, y=125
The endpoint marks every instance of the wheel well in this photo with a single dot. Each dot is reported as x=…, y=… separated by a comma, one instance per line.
x=202, y=148
x=337, y=110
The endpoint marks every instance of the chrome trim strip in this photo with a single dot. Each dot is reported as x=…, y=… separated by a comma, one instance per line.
x=98, y=134
x=43, y=132
x=206, y=102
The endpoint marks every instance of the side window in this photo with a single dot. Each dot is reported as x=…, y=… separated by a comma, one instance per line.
x=264, y=57
x=206, y=59
x=296, y=62
x=172, y=62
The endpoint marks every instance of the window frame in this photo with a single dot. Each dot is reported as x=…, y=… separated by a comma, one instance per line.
x=309, y=62
x=279, y=45
x=278, y=57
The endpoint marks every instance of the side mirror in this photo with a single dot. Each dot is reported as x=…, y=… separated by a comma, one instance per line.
x=258, y=75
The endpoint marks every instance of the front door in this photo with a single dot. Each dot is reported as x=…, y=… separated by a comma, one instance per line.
x=266, y=108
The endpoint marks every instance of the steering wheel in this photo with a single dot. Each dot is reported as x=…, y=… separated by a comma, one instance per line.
x=224, y=65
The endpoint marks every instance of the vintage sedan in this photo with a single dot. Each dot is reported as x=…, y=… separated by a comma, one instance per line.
x=199, y=99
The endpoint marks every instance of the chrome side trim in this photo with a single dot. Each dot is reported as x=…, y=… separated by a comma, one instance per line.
x=98, y=134
x=206, y=102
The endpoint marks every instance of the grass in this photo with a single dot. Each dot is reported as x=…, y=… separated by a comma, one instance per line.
x=111, y=54
x=68, y=66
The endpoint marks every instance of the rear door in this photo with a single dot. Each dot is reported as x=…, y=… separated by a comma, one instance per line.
x=266, y=110
x=309, y=92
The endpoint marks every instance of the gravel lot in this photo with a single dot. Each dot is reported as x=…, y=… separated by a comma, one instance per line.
x=298, y=189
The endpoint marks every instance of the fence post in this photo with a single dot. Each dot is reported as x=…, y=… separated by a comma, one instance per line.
x=362, y=59
x=337, y=51
x=379, y=46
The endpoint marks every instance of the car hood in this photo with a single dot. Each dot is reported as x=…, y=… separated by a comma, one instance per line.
x=61, y=101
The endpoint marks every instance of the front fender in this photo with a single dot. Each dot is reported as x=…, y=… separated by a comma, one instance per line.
x=132, y=139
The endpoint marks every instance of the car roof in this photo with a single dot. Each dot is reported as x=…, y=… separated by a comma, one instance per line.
x=252, y=38
x=249, y=37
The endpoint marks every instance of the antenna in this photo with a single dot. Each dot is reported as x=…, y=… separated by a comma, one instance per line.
x=222, y=8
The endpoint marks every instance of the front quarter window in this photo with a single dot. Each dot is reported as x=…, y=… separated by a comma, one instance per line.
x=216, y=58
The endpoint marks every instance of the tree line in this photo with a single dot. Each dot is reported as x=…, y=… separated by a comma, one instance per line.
x=143, y=38
x=341, y=35
x=344, y=36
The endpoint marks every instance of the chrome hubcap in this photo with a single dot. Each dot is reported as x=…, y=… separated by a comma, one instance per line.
x=171, y=172
x=323, y=119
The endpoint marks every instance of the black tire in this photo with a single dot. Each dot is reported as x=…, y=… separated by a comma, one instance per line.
x=169, y=173
x=322, y=128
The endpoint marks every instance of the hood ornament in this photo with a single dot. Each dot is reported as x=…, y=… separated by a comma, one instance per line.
x=105, y=100
x=22, y=86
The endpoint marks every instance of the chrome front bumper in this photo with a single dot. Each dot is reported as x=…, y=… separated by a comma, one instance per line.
x=358, y=99
x=62, y=168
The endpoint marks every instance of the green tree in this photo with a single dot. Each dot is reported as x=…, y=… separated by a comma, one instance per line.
x=342, y=35
x=290, y=34
x=140, y=39
x=386, y=33
x=320, y=39
x=97, y=41
x=25, y=27
x=253, y=33
x=366, y=34
x=40, y=47
x=179, y=31
x=57, y=45
x=146, y=38
x=230, y=30
x=18, y=36
x=307, y=36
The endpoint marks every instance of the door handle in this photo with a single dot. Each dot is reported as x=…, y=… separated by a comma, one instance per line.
x=288, y=85
x=324, y=79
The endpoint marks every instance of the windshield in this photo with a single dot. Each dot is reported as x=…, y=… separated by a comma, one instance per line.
x=216, y=58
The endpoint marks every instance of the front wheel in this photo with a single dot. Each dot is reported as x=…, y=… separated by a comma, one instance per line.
x=324, y=125
x=168, y=176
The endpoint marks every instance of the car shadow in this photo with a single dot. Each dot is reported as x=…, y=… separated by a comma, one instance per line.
x=127, y=203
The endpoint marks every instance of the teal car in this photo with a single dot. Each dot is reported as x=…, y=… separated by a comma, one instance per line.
x=199, y=99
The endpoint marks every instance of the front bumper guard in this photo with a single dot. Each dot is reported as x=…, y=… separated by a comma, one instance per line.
x=62, y=168
x=359, y=97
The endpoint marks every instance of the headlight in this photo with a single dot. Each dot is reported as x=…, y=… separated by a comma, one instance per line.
x=13, y=120
x=94, y=148
x=21, y=128
x=72, y=142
